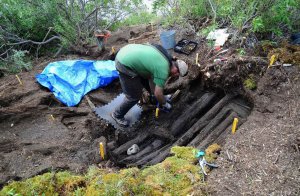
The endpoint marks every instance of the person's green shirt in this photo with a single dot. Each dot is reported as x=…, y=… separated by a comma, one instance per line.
x=146, y=61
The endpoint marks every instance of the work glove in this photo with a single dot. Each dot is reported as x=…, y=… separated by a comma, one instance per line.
x=151, y=99
x=146, y=97
x=166, y=107
x=168, y=98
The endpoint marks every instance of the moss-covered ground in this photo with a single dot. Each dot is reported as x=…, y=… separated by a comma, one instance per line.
x=177, y=175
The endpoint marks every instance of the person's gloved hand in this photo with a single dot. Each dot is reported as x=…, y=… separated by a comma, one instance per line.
x=168, y=98
x=146, y=97
x=167, y=106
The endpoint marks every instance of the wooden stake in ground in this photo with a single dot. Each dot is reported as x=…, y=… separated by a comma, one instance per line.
x=19, y=80
x=101, y=149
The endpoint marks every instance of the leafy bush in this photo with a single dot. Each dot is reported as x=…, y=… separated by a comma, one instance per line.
x=27, y=19
x=136, y=19
x=261, y=16
x=16, y=62
x=29, y=25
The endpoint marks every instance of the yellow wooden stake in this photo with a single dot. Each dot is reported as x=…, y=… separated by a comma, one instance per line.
x=52, y=117
x=19, y=80
x=101, y=150
x=272, y=60
x=156, y=112
x=234, y=125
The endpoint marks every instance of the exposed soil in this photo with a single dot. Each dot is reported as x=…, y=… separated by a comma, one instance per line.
x=263, y=157
x=39, y=134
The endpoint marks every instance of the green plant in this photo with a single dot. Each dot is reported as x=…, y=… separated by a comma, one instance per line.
x=25, y=24
x=12, y=192
x=204, y=32
x=267, y=16
x=143, y=17
x=250, y=83
x=241, y=51
x=257, y=24
x=16, y=62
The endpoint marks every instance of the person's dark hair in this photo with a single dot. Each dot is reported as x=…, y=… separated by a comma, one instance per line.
x=164, y=52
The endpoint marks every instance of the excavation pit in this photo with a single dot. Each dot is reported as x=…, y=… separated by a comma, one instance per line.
x=199, y=119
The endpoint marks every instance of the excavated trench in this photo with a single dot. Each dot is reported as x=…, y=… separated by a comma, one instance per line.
x=39, y=134
x=200, y=118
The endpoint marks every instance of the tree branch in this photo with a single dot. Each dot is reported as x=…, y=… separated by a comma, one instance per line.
x=34, y=42
x=213, y=9
x=6, y=51
x=38, y=48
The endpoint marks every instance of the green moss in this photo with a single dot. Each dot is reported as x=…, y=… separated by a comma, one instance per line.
x=177, y=175
x=186, y=153
x=46, y=184
x=39, y=185
x=210, y=152
x=95, y=187
x=250, y=83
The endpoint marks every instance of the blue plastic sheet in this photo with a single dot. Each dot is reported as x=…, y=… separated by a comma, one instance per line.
x=70, y=80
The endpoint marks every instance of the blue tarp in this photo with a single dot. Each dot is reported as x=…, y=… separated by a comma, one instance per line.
x=70, y=80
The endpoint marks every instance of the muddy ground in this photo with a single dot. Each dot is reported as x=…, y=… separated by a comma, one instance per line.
x=40, y=134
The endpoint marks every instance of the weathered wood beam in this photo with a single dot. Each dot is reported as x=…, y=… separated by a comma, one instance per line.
x=201, y=123
x=123, y=148
x=215, y=133
x=210, y=126
x=153, y=146
x=149, y=157
x=192, y=112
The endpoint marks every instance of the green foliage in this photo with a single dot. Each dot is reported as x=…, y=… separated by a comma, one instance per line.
x=16, y=62
x=136, y=19
x=29, y=20
x=258, y=24
x=261, y=15
x=12, y=192
x=204, y=32
x=258, y=16
x=24, y=23
x=241, y=51
x=177, y=11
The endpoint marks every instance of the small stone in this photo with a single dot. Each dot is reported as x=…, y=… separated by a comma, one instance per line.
x=207, y=74
x=133, y=149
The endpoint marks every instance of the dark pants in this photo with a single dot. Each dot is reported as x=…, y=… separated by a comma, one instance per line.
x=132, y=85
